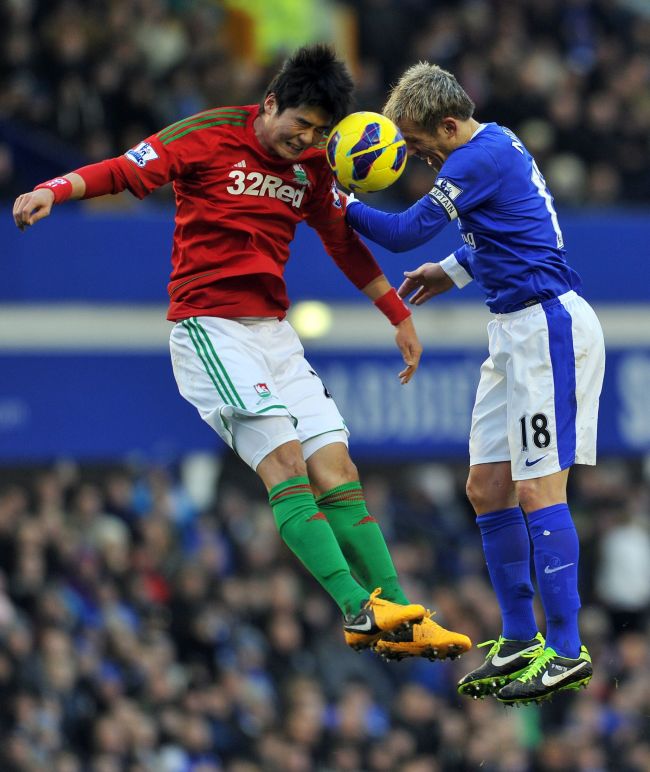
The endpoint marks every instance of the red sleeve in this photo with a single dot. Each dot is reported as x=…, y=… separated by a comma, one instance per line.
x=340, y=240
x=143, y=168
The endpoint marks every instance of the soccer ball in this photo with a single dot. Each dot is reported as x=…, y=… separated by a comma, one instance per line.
x=366, y=152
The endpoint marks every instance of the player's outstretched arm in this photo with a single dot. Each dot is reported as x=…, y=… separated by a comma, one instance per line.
x=426, y=281
x=31, y=207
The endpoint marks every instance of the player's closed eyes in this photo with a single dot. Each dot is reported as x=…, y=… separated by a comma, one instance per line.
x=322, y=131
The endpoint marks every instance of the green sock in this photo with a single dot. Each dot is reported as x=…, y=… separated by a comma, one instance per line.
x=308, y=535
x=361, y=540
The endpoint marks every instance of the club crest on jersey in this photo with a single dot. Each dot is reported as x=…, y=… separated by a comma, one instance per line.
x=262, y=389
x=448, y=188
x=300, y=175
x=142, y=154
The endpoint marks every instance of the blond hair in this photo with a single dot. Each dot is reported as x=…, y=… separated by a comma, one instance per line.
x=425, y=94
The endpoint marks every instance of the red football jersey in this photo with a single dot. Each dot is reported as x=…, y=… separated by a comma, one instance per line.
x=237, y=207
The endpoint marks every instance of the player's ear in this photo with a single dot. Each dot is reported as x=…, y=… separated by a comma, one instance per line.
x=449, y=126
x=270, y=104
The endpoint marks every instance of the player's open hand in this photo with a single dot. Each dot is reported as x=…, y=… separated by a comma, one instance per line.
x=409, y=344
x=426, y=281
x=29, y=208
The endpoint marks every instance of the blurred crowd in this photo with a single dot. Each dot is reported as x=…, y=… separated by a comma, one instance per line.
x=152, y=621
x=572, y=77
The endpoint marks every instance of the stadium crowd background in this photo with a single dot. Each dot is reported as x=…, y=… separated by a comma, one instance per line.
x=150, y=618
x=150, y=622
x=569, y=76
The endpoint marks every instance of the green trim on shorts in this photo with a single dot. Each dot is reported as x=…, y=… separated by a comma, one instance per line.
x=217, y=364
x=293, y=418
x=210, y=368
x=226, y=426
x=197, y=347
x=271, y=407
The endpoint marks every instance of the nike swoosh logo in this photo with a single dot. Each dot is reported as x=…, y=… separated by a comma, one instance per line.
x=536, y=461
x=549, y=570
x=549, y=680
x=498, y=661
x=362, y=628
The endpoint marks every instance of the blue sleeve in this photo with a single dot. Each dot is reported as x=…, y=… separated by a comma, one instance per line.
x=401, y=231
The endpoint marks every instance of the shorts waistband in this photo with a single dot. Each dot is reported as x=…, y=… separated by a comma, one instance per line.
x=254, y=319
x=533, y=305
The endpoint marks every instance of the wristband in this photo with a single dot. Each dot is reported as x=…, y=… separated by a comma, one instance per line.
x=392, y=306
x=61, y=188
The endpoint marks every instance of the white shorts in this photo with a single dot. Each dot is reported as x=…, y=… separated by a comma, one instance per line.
x=250, y=381
x=537, y=399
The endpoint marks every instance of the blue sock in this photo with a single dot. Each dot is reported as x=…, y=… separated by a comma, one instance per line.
x=556, y=552
x=506, y=545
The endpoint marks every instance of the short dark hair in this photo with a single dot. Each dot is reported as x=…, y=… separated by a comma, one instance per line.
x=313, y=76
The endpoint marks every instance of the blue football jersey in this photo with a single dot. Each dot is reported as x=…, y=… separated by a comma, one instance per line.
x=512, y=242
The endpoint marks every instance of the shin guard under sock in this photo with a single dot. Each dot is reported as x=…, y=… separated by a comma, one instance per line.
x=308, y=535
x=506, y=545
x=361, y=540
x=556, y=551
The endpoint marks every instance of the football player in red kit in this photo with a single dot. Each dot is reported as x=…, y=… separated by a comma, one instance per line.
x=243, y=178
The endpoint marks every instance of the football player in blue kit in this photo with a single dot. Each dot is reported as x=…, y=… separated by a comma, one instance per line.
x=536, y=407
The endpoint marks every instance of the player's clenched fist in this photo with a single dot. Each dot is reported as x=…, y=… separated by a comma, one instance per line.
x=29, y=208
x=32, y=207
